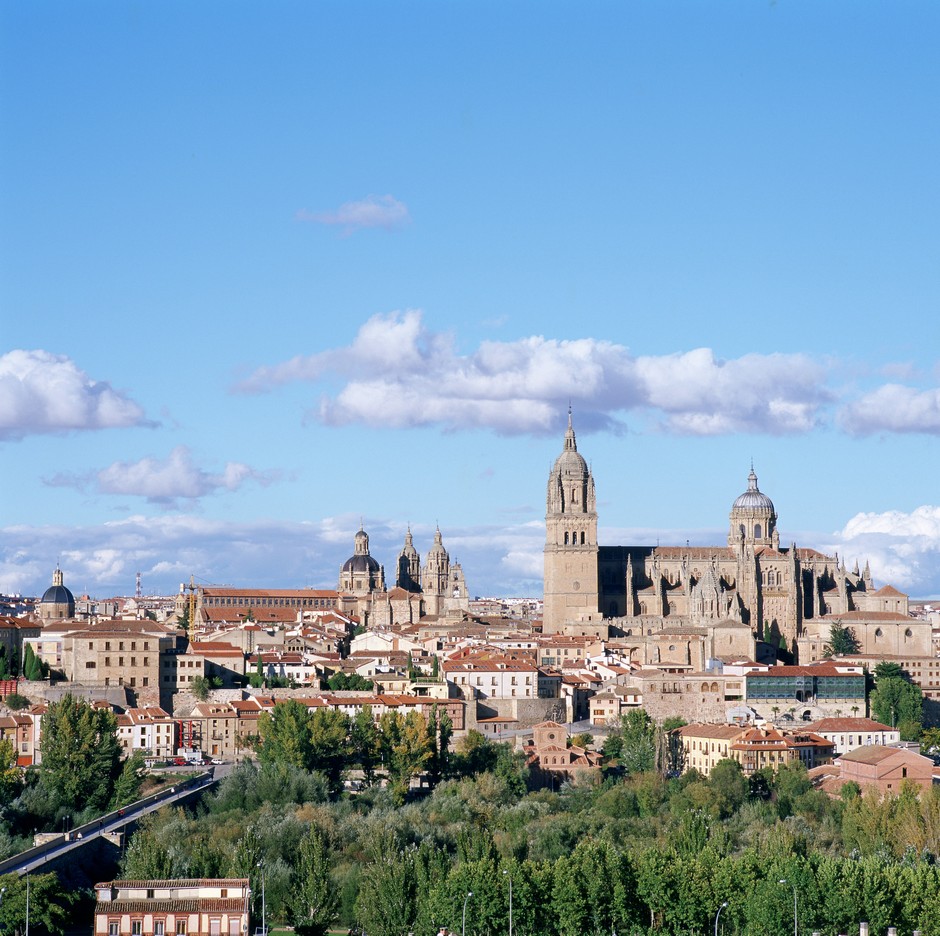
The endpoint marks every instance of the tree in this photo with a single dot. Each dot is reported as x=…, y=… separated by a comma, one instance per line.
x=80, y=753
x=364, y=743
x=285, y=735
x=633, y=742
x=387, y=902
x=842, y=641
x=49, y=903
x=129, y=781
x=312, y=901
x=199, y=687
x=16, y=702
x=329, y=729
x=33, y=668
x=898, y=703
x=11, y=778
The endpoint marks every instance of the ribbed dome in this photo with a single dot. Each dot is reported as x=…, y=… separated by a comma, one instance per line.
x=58, y=594
x=360, y=563
x=753, y=498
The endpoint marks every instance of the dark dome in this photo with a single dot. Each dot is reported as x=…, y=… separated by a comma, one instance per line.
x=58, y=594
x=360, y=563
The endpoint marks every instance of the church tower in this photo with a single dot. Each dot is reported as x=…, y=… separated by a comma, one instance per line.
x=753, y=518
x=409, y=566
x=571, y=583
x=435, y=575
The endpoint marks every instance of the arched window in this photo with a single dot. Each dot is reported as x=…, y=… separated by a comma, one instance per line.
x=582, y=537
x=779, y=578
x=742, y=531
x=756, y=531
x=566, y=539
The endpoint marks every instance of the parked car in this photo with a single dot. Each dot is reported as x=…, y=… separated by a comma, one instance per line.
x=215, y=760
x=179, y=761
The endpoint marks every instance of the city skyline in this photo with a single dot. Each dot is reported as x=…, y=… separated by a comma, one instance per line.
x=266, y=274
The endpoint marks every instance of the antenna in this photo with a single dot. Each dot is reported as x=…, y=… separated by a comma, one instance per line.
x=138, y=592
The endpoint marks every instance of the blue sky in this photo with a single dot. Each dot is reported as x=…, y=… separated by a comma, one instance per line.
x=267, y=270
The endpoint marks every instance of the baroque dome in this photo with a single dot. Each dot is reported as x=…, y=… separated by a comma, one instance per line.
x=753, y=498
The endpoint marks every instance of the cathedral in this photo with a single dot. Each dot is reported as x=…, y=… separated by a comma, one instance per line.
x=438, y=588
x=684, y=605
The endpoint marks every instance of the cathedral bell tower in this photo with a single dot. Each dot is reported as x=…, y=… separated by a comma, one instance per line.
x=571, y=583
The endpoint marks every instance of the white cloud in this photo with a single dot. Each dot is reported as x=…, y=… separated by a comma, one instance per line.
x=42, y=392
x=373, y=211
x=902, y=548
x=398, y=373
x=164, y=481
x=894, y=408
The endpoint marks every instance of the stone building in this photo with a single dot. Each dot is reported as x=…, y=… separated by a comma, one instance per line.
x=726, y=598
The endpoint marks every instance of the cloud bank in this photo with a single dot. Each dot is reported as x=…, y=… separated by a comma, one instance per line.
x=399, y=373
x=498, y=559
x=373, y=211
x=42, y=392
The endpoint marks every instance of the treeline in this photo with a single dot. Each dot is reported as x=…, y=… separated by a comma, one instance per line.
x=634, y=855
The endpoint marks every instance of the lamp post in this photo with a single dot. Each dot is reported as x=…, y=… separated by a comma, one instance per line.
x=785, y=881
x=264, y=926
x=506, y=872
x=718, y=914
x=463, y=921
x=3, y=890
x=27, y=903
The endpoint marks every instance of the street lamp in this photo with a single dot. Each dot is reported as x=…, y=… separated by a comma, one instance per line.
x=463, y=922
x=718, y=914
x=264, y=925
x=506, y=872
x=785, y=881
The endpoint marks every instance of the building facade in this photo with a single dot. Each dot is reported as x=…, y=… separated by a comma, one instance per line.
x=749, y=589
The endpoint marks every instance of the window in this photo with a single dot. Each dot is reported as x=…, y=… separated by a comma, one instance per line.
x=137, y=927
x=114, y=928
x=90, y=664
x=159, y=927
x=180, y=928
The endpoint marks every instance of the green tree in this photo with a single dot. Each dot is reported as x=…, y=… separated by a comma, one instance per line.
x=129, y=781
x=898, y=703
x=387, y=902
x=11, y=777
x=411, y=754
x=80, y=753
x=638, y=742
x=364, y=743
x=16, y=702
x=285, y=735
x=199, y=687
x=313, y=901
x=729, y=785
x=329, y=729
x=49, y=903
x=33, y=668
x=842, y=641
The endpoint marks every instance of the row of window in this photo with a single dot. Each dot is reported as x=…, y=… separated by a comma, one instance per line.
x=90, y=664
x=159, y=927
x=255, y=602
x=120, y=643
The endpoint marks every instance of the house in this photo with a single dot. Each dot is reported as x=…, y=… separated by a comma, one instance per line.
x=552, y=760
x=875, y=767
x=850, y=733
x=216, y=906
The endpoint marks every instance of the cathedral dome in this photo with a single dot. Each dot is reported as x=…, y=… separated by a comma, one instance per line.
x=360, y=563
x=58, y=594
x=753, y=498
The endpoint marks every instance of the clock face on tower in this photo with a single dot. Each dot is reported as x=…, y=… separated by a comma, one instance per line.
x=576, y=585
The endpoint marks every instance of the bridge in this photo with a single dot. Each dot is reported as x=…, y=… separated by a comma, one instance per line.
x=109, y=826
